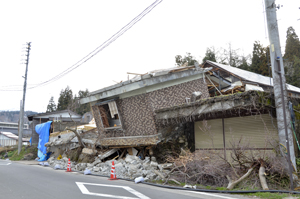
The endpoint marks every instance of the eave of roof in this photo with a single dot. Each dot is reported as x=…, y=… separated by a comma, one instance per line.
x=156, y=77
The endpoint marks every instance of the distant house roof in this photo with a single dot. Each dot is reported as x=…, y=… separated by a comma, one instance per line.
x=157, y=78
x=63, y=113
x=13, y=136
x=250, y=76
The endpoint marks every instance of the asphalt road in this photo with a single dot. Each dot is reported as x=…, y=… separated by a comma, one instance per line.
x=19, y=180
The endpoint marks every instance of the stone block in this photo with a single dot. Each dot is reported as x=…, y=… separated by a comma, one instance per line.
x=96, y=169
x=97, y=161
x=87, y=151
x=153, y=164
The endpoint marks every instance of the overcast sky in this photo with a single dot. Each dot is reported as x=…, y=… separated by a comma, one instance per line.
x=63, y=32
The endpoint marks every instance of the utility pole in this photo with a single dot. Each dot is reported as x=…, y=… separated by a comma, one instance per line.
x=279, y=87
x=21, y=125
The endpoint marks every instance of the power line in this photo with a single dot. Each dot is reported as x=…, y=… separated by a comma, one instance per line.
x=97, y=50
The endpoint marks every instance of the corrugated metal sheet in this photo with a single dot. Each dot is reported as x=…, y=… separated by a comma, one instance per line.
x=209, y=134
x=7, y=141
x=250, y=76
x=258, y=131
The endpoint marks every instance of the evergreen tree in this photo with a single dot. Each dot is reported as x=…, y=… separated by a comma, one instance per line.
x=291, y=56
x=210, y=55
x=294, y=79
x=259, y=59
x=51, y=105
x=83, y=108
x=292, y=47
x=188, y=58
x=244, y=65
x=65, y=99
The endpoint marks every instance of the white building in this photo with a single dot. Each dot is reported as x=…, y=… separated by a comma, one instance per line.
x=9, y=139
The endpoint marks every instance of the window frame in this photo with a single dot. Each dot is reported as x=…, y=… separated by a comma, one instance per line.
x=104, y=103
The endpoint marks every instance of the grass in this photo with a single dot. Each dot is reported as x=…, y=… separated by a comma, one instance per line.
x=271, y=195
x=13, y=155
x=261, y=195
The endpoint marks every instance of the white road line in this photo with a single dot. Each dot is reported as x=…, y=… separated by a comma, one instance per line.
x=210, y=194
x=84, y=190
x=5, y=164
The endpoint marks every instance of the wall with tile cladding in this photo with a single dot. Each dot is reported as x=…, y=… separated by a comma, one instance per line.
x=176, y=95
x=136, y=116
x=137, y=112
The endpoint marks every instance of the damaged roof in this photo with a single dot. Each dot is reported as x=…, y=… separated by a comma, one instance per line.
x=160, y=78
x=250, y=76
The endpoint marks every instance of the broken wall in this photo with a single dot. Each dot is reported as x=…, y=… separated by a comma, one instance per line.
x=137, y=112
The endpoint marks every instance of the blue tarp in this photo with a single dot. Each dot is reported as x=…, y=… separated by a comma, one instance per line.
x=43, y=130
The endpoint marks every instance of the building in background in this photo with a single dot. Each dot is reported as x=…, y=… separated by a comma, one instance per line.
x=60, y=119
x=14, y=128
x=10, y=139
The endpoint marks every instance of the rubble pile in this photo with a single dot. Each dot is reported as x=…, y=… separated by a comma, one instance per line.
x=130, y=168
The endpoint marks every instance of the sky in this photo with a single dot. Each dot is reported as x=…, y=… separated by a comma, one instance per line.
x=63, y=32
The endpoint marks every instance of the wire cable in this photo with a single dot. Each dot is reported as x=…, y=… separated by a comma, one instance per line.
x=97, y=50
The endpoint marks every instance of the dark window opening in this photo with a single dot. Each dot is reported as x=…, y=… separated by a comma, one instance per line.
x=109, y=115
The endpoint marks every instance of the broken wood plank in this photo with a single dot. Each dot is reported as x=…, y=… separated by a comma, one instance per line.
x=148, y=147
x=108, y=153
x=122, y=154
x=129, y=151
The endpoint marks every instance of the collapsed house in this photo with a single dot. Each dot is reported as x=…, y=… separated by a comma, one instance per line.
x=241, y=106
x=125, y=113
x=201, y=108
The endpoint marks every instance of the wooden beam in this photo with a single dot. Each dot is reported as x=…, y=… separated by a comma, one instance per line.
x=122, y=154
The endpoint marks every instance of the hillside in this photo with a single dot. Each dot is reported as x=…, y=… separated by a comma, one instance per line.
x=13, y=116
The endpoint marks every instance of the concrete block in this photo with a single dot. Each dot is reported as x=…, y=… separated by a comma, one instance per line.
x=87, y=151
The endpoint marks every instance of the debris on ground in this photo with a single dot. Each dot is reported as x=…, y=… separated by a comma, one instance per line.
x=130, y=167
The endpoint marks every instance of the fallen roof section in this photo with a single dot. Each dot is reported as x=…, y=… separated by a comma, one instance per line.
x=250, y=102
x=131, y=141
x=250, y=76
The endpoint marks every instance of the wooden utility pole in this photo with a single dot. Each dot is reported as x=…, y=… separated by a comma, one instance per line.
x=279, y=87
x=21, y=125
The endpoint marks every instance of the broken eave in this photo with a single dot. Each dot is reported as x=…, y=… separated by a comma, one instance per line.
x=238, y=104
x=131, y=141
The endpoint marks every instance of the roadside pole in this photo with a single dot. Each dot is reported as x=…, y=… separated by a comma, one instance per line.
x=21, y=125
x=280, y=90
